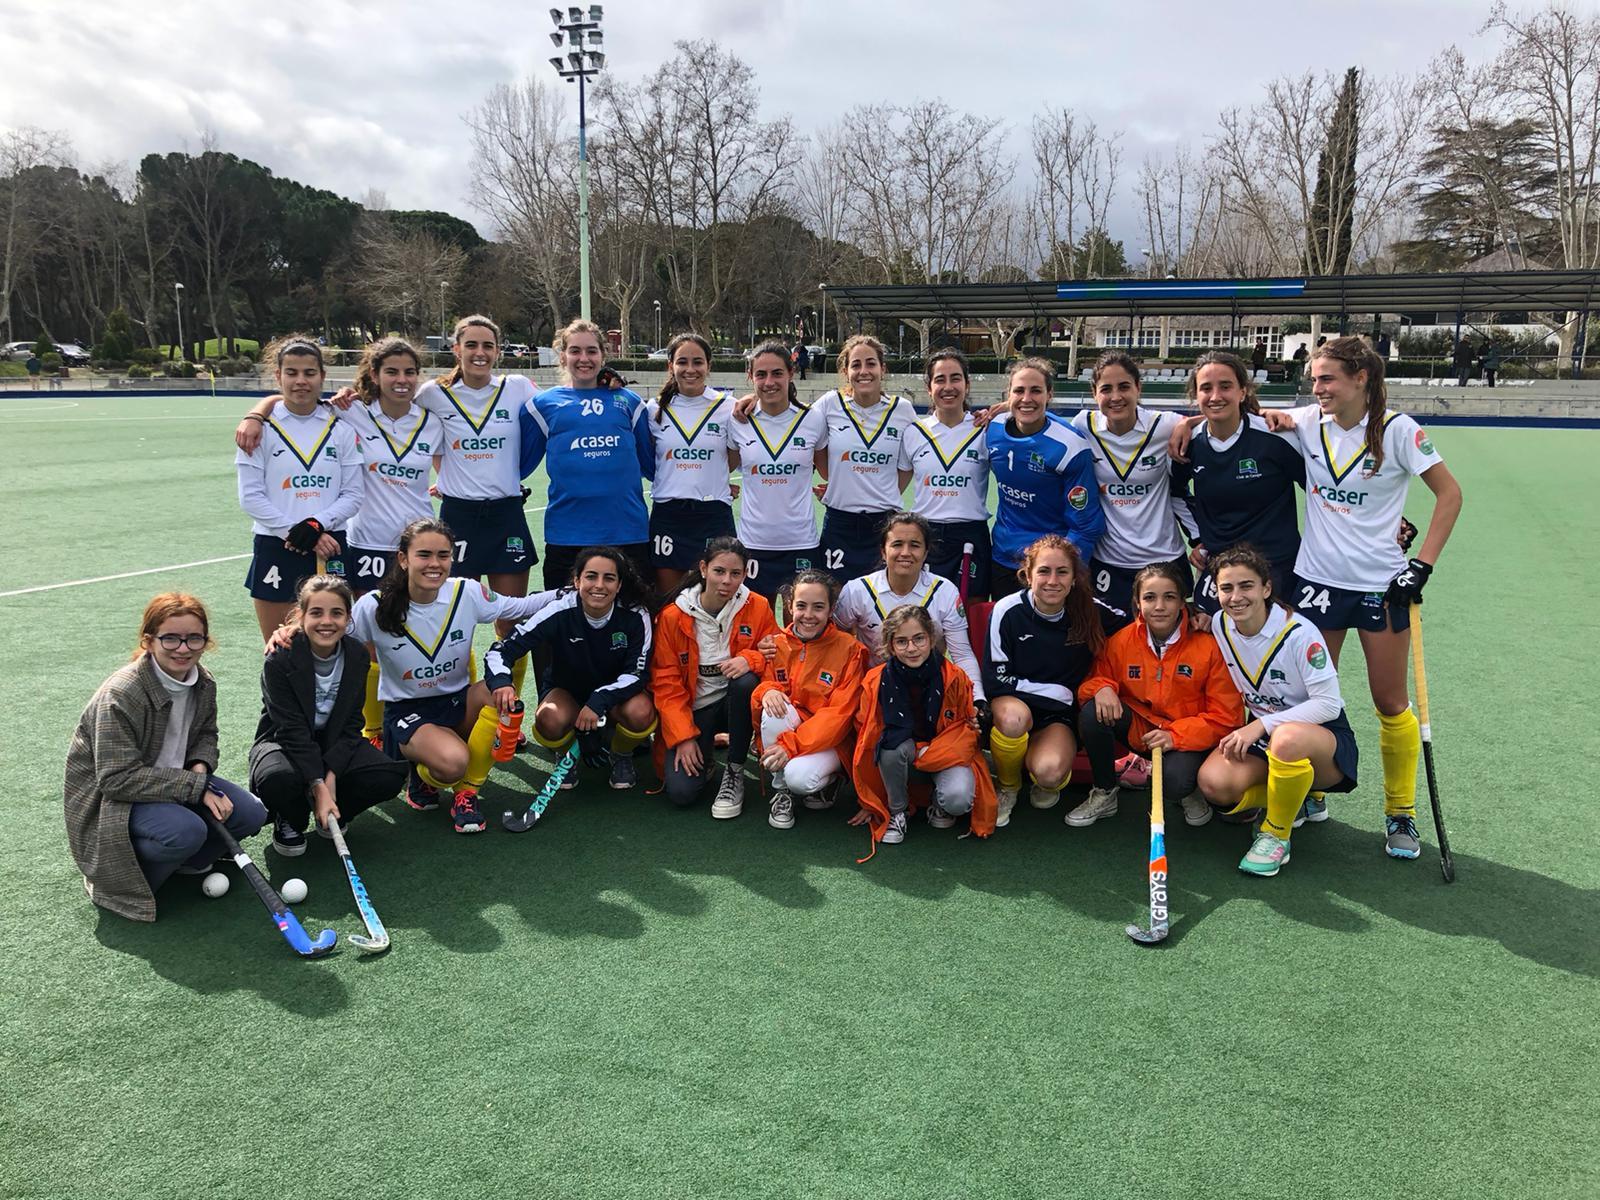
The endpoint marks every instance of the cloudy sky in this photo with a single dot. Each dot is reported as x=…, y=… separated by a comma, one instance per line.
x=358, y=96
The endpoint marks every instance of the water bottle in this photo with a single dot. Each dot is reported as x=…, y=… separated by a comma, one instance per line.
x=507, y=733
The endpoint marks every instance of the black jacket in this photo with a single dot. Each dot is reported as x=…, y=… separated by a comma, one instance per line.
x=289, y=709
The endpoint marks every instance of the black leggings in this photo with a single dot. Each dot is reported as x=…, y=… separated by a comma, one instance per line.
x=370, y=778
x=730, y=715
x=1180, y=769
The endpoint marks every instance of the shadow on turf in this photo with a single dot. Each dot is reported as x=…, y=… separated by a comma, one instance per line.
x=601, y=864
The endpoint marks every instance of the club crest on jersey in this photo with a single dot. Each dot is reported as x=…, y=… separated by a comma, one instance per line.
x=1423, y=443
x=501, y=414
x=1369, y=467
x=1316, y=655
x=1135, y=671
x=1248, y=469
x=825, y=677
x=802, y=564
x=1185, y=671
x=423, y=446
x=1277, y=676
x=1149, y=460
x=456, y=635
x=514, y=544
x=683, y=658
x=800, y=442
x=1078, y=497
x=781, y=674
x=619, y=640
x=744, y=631
x=949, y=714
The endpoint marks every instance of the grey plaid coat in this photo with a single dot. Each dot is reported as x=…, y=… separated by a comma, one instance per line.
x=109, y=769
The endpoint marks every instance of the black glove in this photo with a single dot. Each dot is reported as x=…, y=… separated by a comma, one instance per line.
x=1408, y=534
x=305, y=536
x=985, y=719
x=592, y=748
x=609, y=379
x=1407, y=586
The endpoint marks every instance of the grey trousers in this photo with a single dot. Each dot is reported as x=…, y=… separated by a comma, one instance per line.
x=952, y=787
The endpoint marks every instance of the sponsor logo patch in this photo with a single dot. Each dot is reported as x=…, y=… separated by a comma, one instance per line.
x=1078, y=497
x=1316, y=655
x=1135, y=671
x=1423, y=443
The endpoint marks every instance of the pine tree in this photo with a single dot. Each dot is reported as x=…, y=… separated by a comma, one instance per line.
x=1333, y=204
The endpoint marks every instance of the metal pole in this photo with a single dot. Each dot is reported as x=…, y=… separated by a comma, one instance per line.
x=177, y=302
x=583, y=202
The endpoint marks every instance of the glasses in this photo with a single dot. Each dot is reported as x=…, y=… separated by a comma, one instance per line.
x=916, y=641
x=191, y=641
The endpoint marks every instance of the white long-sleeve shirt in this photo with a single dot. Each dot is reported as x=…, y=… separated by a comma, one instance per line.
x=306, y=466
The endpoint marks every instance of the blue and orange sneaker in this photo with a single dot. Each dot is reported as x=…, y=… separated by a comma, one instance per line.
x=464, y=814
x=419, y=795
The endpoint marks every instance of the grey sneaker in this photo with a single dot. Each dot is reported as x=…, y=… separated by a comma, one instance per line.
x=1400, y=837
x=781, y=815
x=1040, y=797
x=1315, y=810
x=730, y=794
x=1197, y=809
x=937, y=817
x=824, y=798
x=1102, y=802
x=1007, y=800
x=896, y=831
x=624, y=775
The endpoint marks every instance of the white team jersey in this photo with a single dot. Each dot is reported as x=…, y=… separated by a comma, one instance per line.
x=865, y=601
x=433, y=657
x=304, y=467
x=1134, y=475
x=398, y=455
x=1352, y=514
x=776, y=456
x=691, y=441
x=1284, y=672
x=482, y=446
x=950, y=465
x=864, y=452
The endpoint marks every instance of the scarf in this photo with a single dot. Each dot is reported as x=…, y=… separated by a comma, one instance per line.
x=910, y=698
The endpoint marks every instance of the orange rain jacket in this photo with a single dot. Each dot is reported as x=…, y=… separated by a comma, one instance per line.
x=675, y=661
x=822, y=678
x=954, y=744
x=1187, y=691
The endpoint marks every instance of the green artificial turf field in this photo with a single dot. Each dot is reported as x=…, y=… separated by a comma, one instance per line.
x=631, y=1001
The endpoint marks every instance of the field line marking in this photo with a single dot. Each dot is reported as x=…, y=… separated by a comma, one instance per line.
x=50, y=587
x=204, y=562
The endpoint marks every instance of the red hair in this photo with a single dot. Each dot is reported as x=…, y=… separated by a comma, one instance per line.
x=164, y=607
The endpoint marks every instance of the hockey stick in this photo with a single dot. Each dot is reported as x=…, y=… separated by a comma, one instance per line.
x=1447, y=864
x=1158, y=863
x=966, y=571
x=378, y=942
x=282, y=917
x=521, y=822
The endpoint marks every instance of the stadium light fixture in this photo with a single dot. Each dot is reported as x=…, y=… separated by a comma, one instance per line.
x=578, y=66
x=575, y=60
x=557, y=39
x=555, y=16
x=575, y=15
x=596, y=38
x=595, y=13
x=596, y=59
x=558, y=63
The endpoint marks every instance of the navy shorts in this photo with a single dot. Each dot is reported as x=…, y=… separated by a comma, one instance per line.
x=1113, y=588
x=1345, y=754
x=366, y=568
x=402, y=718
x=852, y=543
x=680, y=529
x=559, y=561
x=492, y=536
x=944, y=556
x=1331, y=609
x=1283, y=588
x=768, y=570
x=276, y=571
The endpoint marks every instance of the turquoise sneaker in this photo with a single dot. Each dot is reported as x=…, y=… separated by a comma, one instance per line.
x=1315, y=810
x=1267, y=856
x=1400, y=837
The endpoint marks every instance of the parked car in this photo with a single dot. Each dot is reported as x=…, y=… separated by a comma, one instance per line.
x=658, y=356
x=514, y=350
x=73, y=354
x=17, y=351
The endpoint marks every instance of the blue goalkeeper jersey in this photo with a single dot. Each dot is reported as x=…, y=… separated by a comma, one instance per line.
x=1045, y=482
x=596, y=447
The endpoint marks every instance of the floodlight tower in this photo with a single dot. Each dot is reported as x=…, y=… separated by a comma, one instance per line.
x=581, y=32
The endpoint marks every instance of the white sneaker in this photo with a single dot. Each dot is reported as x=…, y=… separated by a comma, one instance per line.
x=1007, y=798
x=937, y=817
x=1102, y=802
x=896, y=831
x=781, y=815
x=1043, y=798
x=730, y=794
x=1196, y=809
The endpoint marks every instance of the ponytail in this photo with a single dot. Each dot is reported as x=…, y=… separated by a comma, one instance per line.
x=1353, y=356
x=715, y=548
x=669, y=389
x=453, y=375
x=775, y=347
x=394, y=590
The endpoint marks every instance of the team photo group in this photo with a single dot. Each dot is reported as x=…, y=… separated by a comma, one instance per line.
x=1141, y=604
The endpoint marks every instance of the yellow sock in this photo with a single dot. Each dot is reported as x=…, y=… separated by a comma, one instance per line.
x=1400, y=745
x=557, y=744
x=1255, y=796
x=1008, y=753
x=428, y=778
x=1287, y=785
x=372, y=707
x=473, y=674
x=623, y=739
x=519, y=672
x=480, y=746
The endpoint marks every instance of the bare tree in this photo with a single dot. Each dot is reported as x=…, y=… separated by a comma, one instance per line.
x=923, y=182
x=23, y=221
x=524, y=172
x=400, y=271
x=1181, y=200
